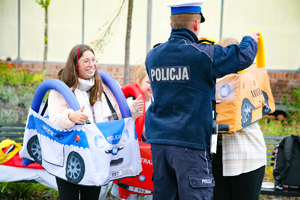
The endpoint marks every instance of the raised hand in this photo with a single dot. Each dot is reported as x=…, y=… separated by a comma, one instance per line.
x=254, y=35
x=138, y=104
x=78, y=116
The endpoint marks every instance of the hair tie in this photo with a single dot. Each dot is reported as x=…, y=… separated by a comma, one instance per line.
x=77, y=61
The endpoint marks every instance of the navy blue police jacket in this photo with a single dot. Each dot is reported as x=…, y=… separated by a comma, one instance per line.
x=182, y=75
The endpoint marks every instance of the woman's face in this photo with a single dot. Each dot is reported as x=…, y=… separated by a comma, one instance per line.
x=144, y=86
x=87, y=65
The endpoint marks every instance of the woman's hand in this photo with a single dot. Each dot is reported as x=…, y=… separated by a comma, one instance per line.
x=138, y=104
x=78, y=116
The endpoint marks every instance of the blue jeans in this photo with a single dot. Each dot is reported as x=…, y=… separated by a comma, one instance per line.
x=181, y=173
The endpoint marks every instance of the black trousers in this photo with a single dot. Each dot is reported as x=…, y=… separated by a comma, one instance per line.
x=70, y=191
x=241, y=187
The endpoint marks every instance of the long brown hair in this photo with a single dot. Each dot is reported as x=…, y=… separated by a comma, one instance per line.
x=69, y=74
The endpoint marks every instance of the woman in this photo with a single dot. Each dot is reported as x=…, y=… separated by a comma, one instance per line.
x=142, y=81
x=80, y=74
x=239, y=165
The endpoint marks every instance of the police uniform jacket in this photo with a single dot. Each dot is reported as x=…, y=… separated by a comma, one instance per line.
x=183, y=74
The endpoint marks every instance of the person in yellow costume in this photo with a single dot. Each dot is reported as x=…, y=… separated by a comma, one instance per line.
x=239, y=165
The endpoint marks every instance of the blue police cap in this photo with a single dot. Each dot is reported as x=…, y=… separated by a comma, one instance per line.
x=187, y=7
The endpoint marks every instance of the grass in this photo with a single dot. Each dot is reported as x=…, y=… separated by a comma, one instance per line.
x=27, y=191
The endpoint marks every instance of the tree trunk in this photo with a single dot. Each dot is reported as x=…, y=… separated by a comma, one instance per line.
x=127, y=42
x=46, y=40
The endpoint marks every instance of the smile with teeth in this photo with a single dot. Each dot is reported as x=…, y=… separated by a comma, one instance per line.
x=92, y=70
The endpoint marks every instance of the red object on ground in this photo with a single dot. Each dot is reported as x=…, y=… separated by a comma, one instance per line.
x=16, y=161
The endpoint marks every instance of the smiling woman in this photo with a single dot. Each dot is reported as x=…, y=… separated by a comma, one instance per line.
x=97, y=103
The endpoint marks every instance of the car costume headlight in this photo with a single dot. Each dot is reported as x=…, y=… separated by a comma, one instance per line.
x=225, y=91
x=99, y=141
x=125, y=135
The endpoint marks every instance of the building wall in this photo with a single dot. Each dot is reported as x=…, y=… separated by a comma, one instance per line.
x=277, y=20
x=279, y=23
x=281, y=82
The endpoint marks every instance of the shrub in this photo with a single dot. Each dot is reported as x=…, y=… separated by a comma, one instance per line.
x=17, y=87
x=293, y=107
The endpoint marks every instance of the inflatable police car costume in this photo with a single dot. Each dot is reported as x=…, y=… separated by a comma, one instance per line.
x=104, y=154
x=179, y=123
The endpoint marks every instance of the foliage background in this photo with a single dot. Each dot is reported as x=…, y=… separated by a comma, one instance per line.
x=17, y=87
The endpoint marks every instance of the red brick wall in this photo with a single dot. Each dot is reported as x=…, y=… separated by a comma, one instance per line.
x=117, y=72
x=281, y=81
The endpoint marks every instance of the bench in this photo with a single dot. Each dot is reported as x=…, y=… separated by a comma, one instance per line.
x=271, y=143
x=13, y=131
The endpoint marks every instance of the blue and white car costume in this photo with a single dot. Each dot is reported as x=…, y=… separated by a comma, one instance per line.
x=89, y=154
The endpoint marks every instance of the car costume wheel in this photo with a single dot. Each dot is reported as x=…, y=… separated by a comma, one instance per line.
x=34, y=149
x=75, y=168
x=246, y=112
x=266, y=109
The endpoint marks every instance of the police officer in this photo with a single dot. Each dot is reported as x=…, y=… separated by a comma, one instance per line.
x=179, y=122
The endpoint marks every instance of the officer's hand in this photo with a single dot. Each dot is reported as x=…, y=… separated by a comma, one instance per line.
x=138, y=104
x=254, y=35
x=78, y=116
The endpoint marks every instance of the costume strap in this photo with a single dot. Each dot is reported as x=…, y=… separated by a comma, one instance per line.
x=113, y=111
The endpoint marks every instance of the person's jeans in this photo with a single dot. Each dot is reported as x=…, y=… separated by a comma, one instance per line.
x=181, y=173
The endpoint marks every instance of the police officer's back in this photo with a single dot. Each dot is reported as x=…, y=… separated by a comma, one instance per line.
x=179, y=122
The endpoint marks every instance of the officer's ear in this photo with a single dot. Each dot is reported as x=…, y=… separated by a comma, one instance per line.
x=197, y=25
x=171, y=24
